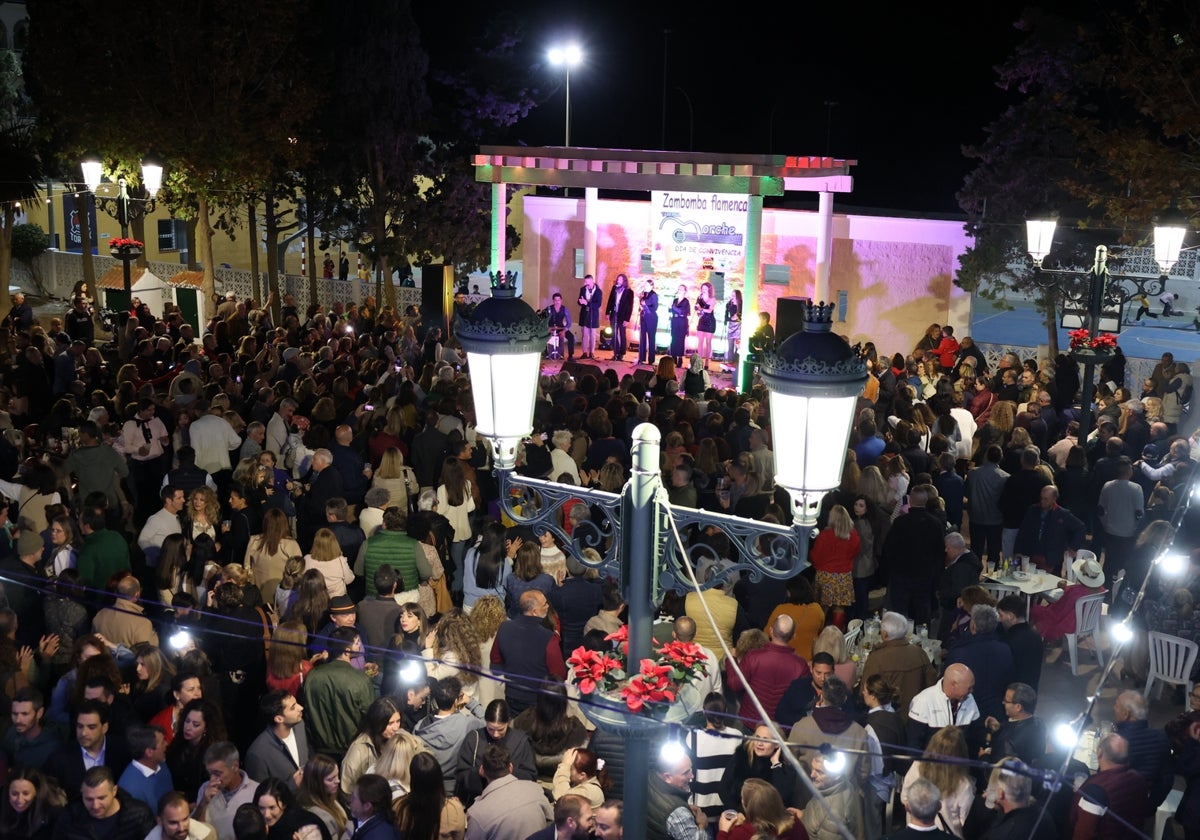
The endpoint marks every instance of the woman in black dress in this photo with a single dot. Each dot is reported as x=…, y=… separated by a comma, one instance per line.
x=706, y=321
x=681, y=311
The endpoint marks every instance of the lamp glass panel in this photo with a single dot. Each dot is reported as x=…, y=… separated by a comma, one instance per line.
x=93, y=173
x=504, y=387
x=810, y=439
x=152, y=176
x=1168, y=242
x=1040, y=236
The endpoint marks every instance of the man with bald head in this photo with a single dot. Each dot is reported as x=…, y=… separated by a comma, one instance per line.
x=770, y=669
x=348, y=461
x=528, y=652
x=948, y=702
x=683, y=629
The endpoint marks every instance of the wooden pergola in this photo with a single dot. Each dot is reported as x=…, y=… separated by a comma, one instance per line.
x=592, y=170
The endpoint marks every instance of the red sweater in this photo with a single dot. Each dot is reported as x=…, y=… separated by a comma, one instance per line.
x=829, y=554
x=947, y=351
x=769, y=670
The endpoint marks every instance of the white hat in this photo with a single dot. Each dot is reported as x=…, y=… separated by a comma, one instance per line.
x=231, y=296
x=1088, y=572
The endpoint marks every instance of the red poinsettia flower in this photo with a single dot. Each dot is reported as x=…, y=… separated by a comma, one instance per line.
x=621, y=637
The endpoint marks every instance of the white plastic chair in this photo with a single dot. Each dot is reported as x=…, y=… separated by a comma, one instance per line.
x=850, y=641
x=1113, y=592
x=1087, y=621
x=999, y=590
x=1171, y=661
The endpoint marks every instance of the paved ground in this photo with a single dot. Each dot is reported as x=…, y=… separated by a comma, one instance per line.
x=1022, y=326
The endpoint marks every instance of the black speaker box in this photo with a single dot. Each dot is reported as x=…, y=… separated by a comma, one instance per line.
x=582, y=369
x=789, y=317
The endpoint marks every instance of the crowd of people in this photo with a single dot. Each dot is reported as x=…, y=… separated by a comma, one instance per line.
x=258, y=583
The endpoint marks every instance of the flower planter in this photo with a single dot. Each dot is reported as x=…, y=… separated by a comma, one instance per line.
x=1087, y=354
x=122, y=254
x=608, y=711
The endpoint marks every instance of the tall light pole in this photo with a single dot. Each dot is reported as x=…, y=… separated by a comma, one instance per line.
x=125, y=207
x=568, y=56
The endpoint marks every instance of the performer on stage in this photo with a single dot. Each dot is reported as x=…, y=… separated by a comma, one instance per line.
x=560, y=324
x=619, y=311
x=647, y=340
x=590, y=301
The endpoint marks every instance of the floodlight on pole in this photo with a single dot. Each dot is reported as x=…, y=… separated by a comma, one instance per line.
x=567, y=56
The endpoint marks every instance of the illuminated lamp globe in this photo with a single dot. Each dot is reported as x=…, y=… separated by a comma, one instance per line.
x=504, y=339
x=815, y=379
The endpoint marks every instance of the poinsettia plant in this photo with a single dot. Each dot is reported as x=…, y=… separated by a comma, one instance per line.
x=1082, y=339
x=123, y=244
x=657, y=682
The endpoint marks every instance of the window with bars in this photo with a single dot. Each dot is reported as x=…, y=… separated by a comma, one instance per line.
x=172, y=235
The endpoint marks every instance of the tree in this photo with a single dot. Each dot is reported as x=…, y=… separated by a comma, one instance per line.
x=20, y=163
x=377, y=151
x=1107, y=131
x=29, y=242
x=20, y=174
x=473, y=101
x=217, y=90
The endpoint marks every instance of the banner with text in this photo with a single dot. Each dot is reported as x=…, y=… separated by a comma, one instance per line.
x=695, y=232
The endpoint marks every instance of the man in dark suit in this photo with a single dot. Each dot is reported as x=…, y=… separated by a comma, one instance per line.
x=1012, y=795
x=913, y=556
x=1048, y=531
x=590, y=301
x=270, y=756
x=325, y=484
x=1028, y=649
x=90, y=747
x=924, y=801
x=429, y=452
x=619, y=311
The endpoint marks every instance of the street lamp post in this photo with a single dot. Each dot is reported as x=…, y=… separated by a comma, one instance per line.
x=1104, y=287
x=815, y=378
x=125, y=207
x=567, y=57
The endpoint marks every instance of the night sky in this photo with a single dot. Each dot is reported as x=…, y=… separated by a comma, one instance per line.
x=912, y=84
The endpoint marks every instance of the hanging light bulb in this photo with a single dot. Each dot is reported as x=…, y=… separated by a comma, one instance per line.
x=1122, y=633
x=835, y=760
x=1173, y=563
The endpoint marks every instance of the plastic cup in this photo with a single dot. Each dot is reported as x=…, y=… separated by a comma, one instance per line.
x=729, y=814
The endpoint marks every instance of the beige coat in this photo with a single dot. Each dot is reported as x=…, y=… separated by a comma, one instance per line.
x=124, y=624
x=267, y=569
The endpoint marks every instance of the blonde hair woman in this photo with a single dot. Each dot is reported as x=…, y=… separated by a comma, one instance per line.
x=953, y=780
x=456, y=651
x=327, y=558
x=833, y=556
x=486, y=616
x=394, y=761
x=202, y=514
x=267, y=553
x=395, y=477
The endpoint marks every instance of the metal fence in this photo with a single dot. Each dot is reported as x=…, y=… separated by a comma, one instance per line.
x=1136, y=370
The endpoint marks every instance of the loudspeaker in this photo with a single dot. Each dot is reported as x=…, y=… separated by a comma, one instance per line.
x=582, y=369
x=642, y=376
x=789, y=317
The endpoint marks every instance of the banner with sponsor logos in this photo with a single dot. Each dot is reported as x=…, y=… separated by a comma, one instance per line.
x=696, y=232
